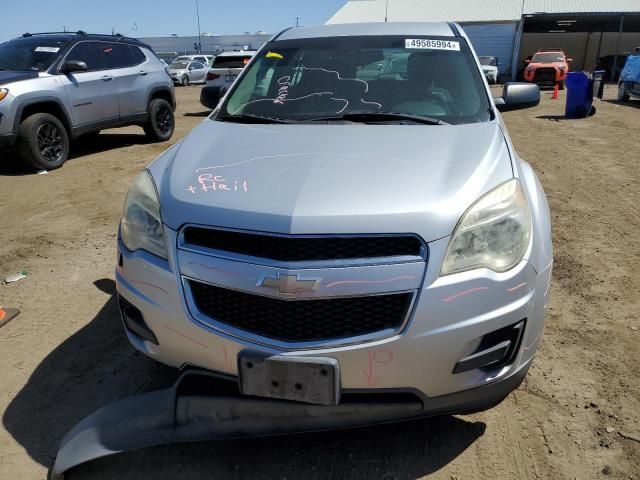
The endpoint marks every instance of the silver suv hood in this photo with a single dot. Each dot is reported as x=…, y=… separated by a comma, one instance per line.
x=332, y=178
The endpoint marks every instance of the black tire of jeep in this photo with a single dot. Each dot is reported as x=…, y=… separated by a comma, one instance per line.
x=185, y=81
x=161, y=122
x=561, y=85
x=43, y=142
x=623, y=96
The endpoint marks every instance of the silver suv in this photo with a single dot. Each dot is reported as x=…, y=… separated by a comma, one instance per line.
x=56, y=87
x=337, y=227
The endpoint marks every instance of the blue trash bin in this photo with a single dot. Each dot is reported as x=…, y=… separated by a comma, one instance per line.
x=579, y=95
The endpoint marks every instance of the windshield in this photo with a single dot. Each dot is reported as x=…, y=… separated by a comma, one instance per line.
x=178, y=66
x=33, y=53
x=320, y=77
x=547, y=58
x=489, y=61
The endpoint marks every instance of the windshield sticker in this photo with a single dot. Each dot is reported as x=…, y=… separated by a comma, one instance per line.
x=275, y=55
x=47, y=49
x=427, y=44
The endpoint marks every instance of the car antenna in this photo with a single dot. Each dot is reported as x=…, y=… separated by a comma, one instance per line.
x=386, y=12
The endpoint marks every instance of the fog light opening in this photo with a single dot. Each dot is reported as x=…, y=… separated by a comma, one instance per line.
x=496, y=349
x=134, y=322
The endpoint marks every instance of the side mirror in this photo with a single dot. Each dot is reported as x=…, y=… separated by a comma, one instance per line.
x=569, y=60
x=516, y=96
x=211, y=96
x=71, y=66
x=527, y=61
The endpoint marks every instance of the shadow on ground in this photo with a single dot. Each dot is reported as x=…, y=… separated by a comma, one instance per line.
x=97, y=366
x=81, y=147
x=633, y=103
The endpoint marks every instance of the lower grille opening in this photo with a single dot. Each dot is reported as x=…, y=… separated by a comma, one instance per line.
x=302, y=320
x=134, y=322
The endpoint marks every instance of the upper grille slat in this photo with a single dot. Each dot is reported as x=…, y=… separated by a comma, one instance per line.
x=303, y=248
x=302, y=320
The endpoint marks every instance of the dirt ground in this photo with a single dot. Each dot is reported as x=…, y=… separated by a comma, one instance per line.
x=66, y=354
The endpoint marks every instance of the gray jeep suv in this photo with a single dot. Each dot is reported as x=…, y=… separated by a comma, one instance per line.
x=58, y=86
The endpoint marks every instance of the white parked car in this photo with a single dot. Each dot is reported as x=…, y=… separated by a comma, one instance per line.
x=184, y=73
x=491, y=69
x=227, y=66
x=204, y=59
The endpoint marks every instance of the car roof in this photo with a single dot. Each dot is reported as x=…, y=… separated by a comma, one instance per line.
x=80, y=36
x=440, y=29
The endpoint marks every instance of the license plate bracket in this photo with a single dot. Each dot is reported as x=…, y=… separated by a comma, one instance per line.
x=314, y=380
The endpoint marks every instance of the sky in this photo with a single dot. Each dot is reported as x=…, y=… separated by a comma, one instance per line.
x=147, y=18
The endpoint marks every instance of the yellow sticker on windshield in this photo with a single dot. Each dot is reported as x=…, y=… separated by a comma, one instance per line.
x=275, y=55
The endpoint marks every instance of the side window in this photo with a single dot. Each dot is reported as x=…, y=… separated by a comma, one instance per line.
x=137, y=54
x=197, y=66
x=88, y=53
x=117, y=55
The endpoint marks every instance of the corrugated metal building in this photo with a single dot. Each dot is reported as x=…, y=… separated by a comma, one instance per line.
x=514, y=29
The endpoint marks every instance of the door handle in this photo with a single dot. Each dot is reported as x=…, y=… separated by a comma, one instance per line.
x=106, y=78
x=142, y=72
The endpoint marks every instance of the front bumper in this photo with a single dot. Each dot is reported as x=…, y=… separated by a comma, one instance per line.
x=544, y=76
x=448, y=320
x=491, y=76
x=199, y=407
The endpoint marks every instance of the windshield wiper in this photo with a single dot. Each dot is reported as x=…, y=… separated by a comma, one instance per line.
x=246, y=118
x=381, y=117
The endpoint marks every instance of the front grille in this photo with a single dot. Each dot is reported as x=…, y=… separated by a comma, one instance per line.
x=545, y=75
x=300, y=248
x=302, y=320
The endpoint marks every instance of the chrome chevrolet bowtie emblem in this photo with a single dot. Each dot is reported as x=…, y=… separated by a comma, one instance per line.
x=289, y=285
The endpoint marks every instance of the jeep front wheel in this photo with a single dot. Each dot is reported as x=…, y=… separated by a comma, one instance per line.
x=43, y=142
x=623, y=96
x=161, y=122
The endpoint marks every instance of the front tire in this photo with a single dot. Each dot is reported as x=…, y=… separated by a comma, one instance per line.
x=561, y=85
x=43, y=142
x=623, y=96
x=185, y=81
x=161, y=122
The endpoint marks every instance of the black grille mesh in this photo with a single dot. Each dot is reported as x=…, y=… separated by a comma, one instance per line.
x=545, y=75
x=302, y=320
x=294, y=249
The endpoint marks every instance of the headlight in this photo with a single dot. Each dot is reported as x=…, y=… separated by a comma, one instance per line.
x=494, y=233
x=3, y=92
x=141, y=226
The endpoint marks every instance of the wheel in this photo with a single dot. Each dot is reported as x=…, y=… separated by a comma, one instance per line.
x=161, y=122
x=561, y=85
x=185, y=81
x=623, y=96
x=43, y=142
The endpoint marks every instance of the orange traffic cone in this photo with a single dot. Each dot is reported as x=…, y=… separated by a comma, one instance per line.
x=555, y=92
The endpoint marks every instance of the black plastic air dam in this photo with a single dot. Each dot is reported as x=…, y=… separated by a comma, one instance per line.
x=183, y=414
